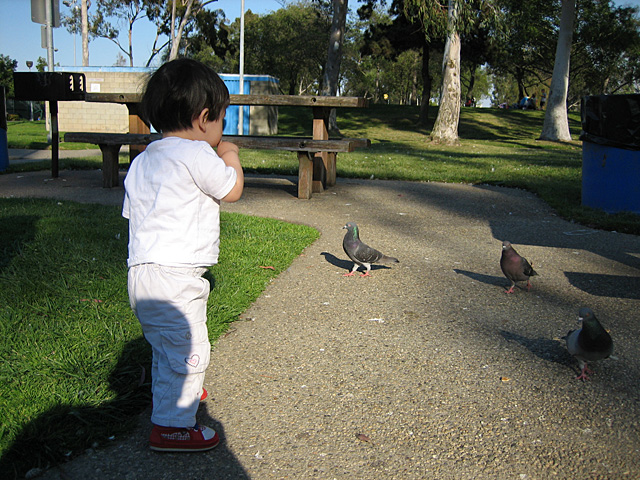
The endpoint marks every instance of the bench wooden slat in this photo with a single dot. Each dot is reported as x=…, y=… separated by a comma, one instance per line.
x=110, y=144
x=267, y=100
x=292, y=144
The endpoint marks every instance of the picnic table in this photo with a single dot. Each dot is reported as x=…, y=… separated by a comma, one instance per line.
x=317, y=155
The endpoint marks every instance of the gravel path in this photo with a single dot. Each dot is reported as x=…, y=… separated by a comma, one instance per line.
x=426, y=370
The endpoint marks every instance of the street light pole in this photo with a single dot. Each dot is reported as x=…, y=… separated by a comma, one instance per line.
x=241, y=107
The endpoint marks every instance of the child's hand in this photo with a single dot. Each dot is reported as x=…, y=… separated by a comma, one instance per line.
x=225, y=147
x=228, y=152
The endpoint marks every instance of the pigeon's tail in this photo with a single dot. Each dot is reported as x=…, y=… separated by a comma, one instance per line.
x=385, y=259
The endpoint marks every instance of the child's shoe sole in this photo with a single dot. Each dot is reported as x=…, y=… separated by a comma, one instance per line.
x=170, y=439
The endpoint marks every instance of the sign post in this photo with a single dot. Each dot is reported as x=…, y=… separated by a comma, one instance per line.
x=47, y=12
x=51, y=87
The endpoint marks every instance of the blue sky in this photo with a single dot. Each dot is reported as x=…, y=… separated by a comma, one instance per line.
x=20, y=37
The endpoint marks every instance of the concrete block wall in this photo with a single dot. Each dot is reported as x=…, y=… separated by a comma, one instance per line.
x=114, y=118
x=101, y=117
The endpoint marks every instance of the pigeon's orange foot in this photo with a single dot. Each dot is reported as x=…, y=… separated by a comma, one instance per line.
x=365, y=274
x=510, y=290
x=528, y=286
x=350, y=274
x=583, y=375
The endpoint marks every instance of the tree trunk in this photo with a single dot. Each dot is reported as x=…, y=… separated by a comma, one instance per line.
x=445, y=129
x=175, y=41
x=131, y=44
x=334, y=56
x=472, y=81
x=426, y=85
x=85, y=32
x=172, y=30
x=556, y=121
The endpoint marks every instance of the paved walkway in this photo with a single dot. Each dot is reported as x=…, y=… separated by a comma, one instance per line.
x=426, y=370
x=25, y=155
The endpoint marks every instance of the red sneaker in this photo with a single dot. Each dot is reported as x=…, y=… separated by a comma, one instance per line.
x=171, y=439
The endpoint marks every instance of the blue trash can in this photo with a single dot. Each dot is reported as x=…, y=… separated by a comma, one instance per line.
x=611, y=153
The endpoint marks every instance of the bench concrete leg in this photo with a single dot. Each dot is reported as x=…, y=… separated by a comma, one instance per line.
x=305, y=175
x=110, y=165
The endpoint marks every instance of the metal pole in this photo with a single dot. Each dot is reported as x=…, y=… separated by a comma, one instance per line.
x=49, y=27
x=241, y=107
x=53, y=104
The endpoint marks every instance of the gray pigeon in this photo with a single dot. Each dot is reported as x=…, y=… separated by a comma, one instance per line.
x=515, y=267
x=589, y=343
x=360, y=253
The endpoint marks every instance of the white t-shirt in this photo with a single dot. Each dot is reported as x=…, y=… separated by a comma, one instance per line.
x=172, y=200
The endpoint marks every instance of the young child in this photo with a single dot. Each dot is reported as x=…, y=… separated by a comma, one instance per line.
x=172, y=200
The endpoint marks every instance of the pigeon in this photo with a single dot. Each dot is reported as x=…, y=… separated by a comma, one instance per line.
x=589, y=343
x=515, y=267
x=360, y=253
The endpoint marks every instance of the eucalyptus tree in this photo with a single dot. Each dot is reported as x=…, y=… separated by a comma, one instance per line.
x=334, y=54
x=556, y=121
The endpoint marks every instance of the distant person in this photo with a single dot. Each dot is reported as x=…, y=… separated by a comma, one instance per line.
x=172, y=199
x=543, y=100
x=523, y=102
x=532, y=103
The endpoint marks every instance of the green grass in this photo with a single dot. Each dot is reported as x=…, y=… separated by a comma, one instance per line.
x=71, y=352
x=33, y=135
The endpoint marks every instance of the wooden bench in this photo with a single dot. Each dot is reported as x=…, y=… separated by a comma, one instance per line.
x=313, y=174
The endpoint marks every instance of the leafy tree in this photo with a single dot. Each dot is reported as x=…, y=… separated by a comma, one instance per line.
x=99, y=26
x=405, y=31
x=606, y=49
x=525, y=46
x=291, y=44
x=7, y=67
x=41, y=64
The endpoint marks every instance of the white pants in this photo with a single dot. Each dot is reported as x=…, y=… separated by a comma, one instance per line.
x=171, y=305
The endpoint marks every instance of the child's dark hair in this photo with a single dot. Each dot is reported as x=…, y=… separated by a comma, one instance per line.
x=178, y=91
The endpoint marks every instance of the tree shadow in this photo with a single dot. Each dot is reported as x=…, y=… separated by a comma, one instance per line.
x=17, y=231
x=601, y=285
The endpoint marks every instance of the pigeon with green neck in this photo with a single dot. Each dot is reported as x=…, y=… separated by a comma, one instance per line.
x=360, y=253
x=589, y=343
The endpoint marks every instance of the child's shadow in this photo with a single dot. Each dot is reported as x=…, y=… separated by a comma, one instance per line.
x=66, y=431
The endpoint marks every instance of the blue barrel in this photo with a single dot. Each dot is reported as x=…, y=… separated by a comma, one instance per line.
x=611, y=153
